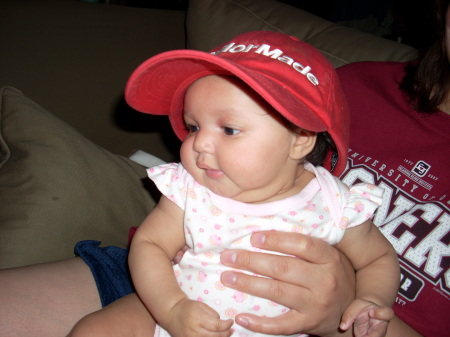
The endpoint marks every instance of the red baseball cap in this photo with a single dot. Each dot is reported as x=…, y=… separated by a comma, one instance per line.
x=291, y=75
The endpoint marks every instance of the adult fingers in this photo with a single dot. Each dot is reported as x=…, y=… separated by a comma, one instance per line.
x=292, y=322
x=287, y=294
x=285, y=268
x=311, y=260
x=299, y=245
x=279, y=325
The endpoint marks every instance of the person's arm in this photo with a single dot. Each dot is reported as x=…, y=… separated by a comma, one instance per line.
x=152, y=250
x=377, y=279
x=318, y=283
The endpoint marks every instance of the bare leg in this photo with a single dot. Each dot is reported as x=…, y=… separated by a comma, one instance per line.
x=125, y=317
x=46, y=299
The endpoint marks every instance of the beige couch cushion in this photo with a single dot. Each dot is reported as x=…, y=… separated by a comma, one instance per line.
x=57, y=187
x=210, y=23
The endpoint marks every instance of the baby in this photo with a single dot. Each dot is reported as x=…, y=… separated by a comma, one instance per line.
x=264, y=129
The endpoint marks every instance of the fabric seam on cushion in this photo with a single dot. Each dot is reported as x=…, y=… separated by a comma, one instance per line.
x=275, y=28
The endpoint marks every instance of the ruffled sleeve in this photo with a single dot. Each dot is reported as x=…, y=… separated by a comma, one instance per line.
x=173, y=181
x=347, y=206
x=362, y=202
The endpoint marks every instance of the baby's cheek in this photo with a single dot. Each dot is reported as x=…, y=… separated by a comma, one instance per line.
x=187, y=153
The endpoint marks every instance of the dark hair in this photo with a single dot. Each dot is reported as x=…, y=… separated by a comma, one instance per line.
x=324, y=144
x=427, y=82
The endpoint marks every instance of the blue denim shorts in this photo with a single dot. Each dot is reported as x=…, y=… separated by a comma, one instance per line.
x=109, y=266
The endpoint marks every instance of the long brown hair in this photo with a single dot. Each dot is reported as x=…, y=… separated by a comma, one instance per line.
x=427, y=82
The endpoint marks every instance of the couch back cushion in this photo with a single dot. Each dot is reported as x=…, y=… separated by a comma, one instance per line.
x=210, y=23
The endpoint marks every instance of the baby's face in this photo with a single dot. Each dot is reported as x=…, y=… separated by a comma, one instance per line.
x=234, y=146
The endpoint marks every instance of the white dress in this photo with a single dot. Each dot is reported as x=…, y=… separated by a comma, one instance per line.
x=324, y=209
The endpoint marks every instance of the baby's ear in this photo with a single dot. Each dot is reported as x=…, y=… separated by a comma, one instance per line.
x=303, y=143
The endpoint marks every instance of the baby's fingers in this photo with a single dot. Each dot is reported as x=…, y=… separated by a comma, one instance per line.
x=222, y=327
x=382, y=314
x=368, y=319
x=356, y=308
x=377, y=329
x=211, y=322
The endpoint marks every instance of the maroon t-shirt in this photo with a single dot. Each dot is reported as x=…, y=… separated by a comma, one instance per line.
x=407, y=154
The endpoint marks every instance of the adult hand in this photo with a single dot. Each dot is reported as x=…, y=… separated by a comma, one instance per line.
x=317, y=282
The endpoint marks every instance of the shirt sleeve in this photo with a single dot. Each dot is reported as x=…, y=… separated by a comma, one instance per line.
x=362, y=202
x=173, y=181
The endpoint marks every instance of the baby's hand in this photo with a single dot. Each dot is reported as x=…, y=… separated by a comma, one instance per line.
x=196, y=319
x=368, y=318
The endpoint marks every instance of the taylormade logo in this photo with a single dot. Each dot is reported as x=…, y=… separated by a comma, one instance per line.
x=275, y=54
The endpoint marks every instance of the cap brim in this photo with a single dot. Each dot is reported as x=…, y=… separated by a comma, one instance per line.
x=158, y=85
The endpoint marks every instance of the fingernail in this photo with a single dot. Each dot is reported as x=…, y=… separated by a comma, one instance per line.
x=258, y=239
x=242, y=321
x=228, y=257
x=228, y=278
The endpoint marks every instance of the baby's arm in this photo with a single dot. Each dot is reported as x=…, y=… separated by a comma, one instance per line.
x=377, y=280
x=153, y=248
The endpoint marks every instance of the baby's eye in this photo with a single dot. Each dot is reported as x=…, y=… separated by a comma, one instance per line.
x=230, y=131
x=191, y=128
